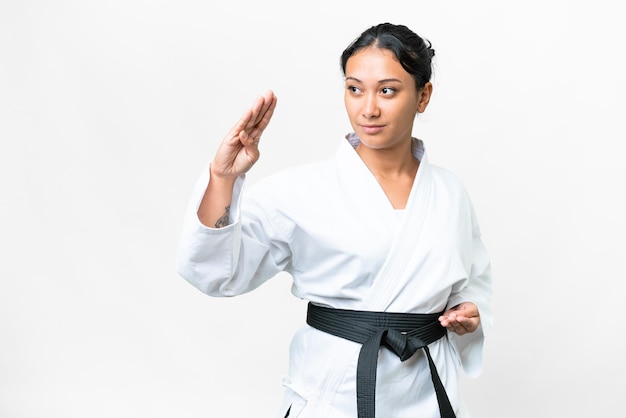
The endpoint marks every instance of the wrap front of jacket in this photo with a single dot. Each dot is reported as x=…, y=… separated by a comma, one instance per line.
x=331, y=227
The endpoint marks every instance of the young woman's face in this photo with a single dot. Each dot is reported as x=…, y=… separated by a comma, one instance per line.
x=381, y=98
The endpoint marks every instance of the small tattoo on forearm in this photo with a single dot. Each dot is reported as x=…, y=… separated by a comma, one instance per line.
x=223, y=220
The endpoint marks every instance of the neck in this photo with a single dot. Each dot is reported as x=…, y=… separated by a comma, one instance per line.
x=389, y=162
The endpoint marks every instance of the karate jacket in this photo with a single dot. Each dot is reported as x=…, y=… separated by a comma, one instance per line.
x=331, y=227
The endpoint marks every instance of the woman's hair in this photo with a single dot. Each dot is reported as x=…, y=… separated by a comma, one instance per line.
x=414, y=53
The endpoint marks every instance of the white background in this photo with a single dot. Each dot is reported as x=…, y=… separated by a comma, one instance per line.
x=110, y=109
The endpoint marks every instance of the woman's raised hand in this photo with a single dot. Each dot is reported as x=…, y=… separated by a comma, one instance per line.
x=240, y=148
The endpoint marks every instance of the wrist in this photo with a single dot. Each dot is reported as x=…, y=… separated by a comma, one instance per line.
x=219, y=177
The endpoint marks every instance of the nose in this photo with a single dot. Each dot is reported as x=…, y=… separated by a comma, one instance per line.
x=370, y=107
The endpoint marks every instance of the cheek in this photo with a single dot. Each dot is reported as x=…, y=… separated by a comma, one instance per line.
x=408, y=114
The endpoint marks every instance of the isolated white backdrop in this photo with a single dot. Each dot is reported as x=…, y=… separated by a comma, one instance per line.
x=110, y=109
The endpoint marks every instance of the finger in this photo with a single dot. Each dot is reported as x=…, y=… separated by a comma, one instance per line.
x=468, y=309
x=461, y=329
x=470, y=324
x=247, y=140
x=258, y=129
x=447, y=317
x=259, y=108
x=251, y=147
x=240, y=125
x=248, y=153
x=269, y=103
x=453, y=328
x=251, y=116
x=447, y=322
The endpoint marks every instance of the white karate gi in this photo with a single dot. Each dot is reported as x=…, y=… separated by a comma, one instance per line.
x=330, y=225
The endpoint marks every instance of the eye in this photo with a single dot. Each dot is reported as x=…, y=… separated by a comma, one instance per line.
x=354, y=89
x=387, y=91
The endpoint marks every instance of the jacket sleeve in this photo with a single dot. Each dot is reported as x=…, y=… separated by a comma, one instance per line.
x=234, y=259
x=477, y=289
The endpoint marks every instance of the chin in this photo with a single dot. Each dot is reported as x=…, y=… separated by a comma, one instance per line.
x=373, y=144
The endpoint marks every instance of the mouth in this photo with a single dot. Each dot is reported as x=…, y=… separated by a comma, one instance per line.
x=372, y=129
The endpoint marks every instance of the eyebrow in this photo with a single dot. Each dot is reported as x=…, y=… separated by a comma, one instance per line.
x=386, y=80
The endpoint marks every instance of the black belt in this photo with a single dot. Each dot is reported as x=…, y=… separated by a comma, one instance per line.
x=403, y=333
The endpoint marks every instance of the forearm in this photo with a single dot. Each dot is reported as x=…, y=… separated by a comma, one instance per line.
x=234, y=259
x=214, y=207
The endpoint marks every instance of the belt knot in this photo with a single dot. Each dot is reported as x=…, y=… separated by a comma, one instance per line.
x=402, y=344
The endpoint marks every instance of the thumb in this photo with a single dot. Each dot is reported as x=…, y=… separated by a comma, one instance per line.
x=250, y=147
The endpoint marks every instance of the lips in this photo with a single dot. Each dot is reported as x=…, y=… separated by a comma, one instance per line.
x=372, y=129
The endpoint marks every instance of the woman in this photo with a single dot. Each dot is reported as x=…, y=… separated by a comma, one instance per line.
x=384, y=246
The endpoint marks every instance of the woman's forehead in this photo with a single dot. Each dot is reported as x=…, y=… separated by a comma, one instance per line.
x=375, y=63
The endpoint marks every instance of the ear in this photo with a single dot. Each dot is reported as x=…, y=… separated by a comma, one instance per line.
x=423, y=97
